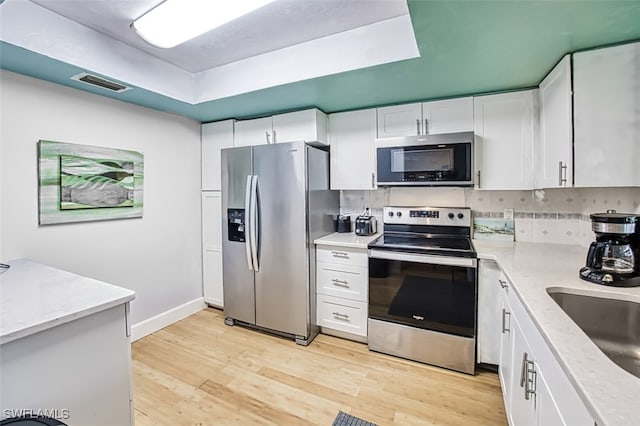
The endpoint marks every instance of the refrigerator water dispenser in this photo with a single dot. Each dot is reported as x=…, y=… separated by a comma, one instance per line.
x=236, y=225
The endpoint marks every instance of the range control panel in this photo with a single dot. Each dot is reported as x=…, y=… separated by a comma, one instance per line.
x=443, y=216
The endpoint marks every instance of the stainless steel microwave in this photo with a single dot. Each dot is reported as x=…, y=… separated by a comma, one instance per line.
x=431, y=160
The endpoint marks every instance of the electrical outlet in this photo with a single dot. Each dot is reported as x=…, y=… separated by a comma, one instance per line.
x=508, y=213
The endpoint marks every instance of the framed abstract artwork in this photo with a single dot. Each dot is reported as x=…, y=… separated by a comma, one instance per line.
x=82, y=183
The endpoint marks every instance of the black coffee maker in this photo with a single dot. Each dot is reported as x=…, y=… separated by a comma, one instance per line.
x=614, y=258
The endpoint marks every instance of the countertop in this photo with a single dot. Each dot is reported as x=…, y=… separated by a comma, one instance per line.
x=610, y=393
x=36, y=297
x=346, y=239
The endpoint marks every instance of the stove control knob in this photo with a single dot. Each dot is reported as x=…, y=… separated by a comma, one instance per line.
x=390, y=214
x=460, y=215
x=399, y=214
x=450, y=215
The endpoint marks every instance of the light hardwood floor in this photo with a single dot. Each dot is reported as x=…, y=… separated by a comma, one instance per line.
x=200, y=371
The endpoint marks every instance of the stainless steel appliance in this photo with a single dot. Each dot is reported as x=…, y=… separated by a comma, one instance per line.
x=423, y=287
x=430, y=160
x=365, y=224
x=614, y=258
x=275, y=202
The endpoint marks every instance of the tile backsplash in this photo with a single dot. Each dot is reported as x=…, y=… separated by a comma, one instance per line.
x=546, y=215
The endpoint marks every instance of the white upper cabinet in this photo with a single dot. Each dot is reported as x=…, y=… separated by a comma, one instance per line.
x=446, y=116
x=400, y=120
x=308, y=125
x=215, y=136
x=606, y=86
x=555, y=156
x=505, y=126
x=353, y=151
x=253, y=132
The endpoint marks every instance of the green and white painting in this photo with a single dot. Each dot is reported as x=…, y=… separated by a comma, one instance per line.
x=81, y=183
x=493, y=229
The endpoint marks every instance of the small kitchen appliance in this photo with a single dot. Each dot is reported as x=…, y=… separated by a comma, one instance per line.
x=614, y=258
x=343, y=224
x=365, y=224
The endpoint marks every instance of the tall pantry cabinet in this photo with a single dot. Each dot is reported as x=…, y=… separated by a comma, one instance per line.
x=215, y=137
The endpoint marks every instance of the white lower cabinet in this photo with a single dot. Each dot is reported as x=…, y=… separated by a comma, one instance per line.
x=342, y=289
x=490, y=284
x=535, y=389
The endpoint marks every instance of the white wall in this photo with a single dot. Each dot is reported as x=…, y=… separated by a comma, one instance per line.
x=157, y=256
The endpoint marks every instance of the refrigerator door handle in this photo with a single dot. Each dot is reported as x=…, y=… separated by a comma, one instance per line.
x=247, y=220
x=253, y=224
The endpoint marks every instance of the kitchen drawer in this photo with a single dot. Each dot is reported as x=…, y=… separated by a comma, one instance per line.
x=346, y=281
x=342, y=314
x=343, y=255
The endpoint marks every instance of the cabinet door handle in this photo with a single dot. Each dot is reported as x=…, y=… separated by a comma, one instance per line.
x=426, y=126
x=478, y=179
x=562, y=181
x=274, y=136
x=267, y=133
x=503, y=283
x=341, y=283
x=528, y=376
x=523, y=373
x=418, y=126
x=506, y=329
x=373, y=180
x=340, y=316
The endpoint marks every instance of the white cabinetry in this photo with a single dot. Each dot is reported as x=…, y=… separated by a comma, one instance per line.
x=79, y=370
x=215, y=136
x=342, y=290
x=446, y=116
x=352, y=138
x=606, y=116
x=212, y=248
x=308, y=125
x=535, y=389
x=505, y=126
x=490, y=295
x=555, y=157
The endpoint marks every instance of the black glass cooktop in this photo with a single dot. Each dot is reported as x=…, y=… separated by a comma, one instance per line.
x=454, y=245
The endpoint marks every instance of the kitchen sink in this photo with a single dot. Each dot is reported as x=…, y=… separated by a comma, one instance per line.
x=613, y=325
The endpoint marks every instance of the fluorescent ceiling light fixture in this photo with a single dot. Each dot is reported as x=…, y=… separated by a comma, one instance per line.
x=175, y=21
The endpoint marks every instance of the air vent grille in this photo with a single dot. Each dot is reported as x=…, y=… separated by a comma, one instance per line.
x=103, y=83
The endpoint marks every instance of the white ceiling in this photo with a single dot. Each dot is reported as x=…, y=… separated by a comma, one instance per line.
x=280, y=24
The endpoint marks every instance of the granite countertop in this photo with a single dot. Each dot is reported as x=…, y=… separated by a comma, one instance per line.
x=609, y=392
x=36, y=297
x=346, y=239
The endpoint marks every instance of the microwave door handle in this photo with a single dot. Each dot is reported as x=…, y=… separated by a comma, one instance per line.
x=255, y=231
x=247, y=221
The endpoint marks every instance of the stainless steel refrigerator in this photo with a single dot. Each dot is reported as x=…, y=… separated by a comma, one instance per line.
x=275, y=202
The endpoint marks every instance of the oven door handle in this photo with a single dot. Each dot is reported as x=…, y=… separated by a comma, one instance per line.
x=423, y=258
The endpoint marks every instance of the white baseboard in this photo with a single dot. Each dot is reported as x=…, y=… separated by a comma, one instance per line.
x=153, y=324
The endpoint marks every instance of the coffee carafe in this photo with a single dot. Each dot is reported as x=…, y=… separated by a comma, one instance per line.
x=614, y=258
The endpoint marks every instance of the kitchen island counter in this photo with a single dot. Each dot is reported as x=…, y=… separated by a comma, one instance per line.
x=609, y=392
x=35, y=297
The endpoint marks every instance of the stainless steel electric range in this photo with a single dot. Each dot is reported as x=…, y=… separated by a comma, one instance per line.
x=423, y=287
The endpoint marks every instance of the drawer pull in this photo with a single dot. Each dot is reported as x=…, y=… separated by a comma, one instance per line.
x=340, y=316
x=503, y=283
x=340, y=254
x=341, y=283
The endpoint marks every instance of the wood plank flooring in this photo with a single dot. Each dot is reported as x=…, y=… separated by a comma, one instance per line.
x=200, y=371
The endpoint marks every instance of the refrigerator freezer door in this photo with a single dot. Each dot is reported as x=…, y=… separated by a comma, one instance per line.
x=282, y=283
x=237, y=277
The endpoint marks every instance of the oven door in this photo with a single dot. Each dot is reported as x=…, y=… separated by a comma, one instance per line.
x=436, y=293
